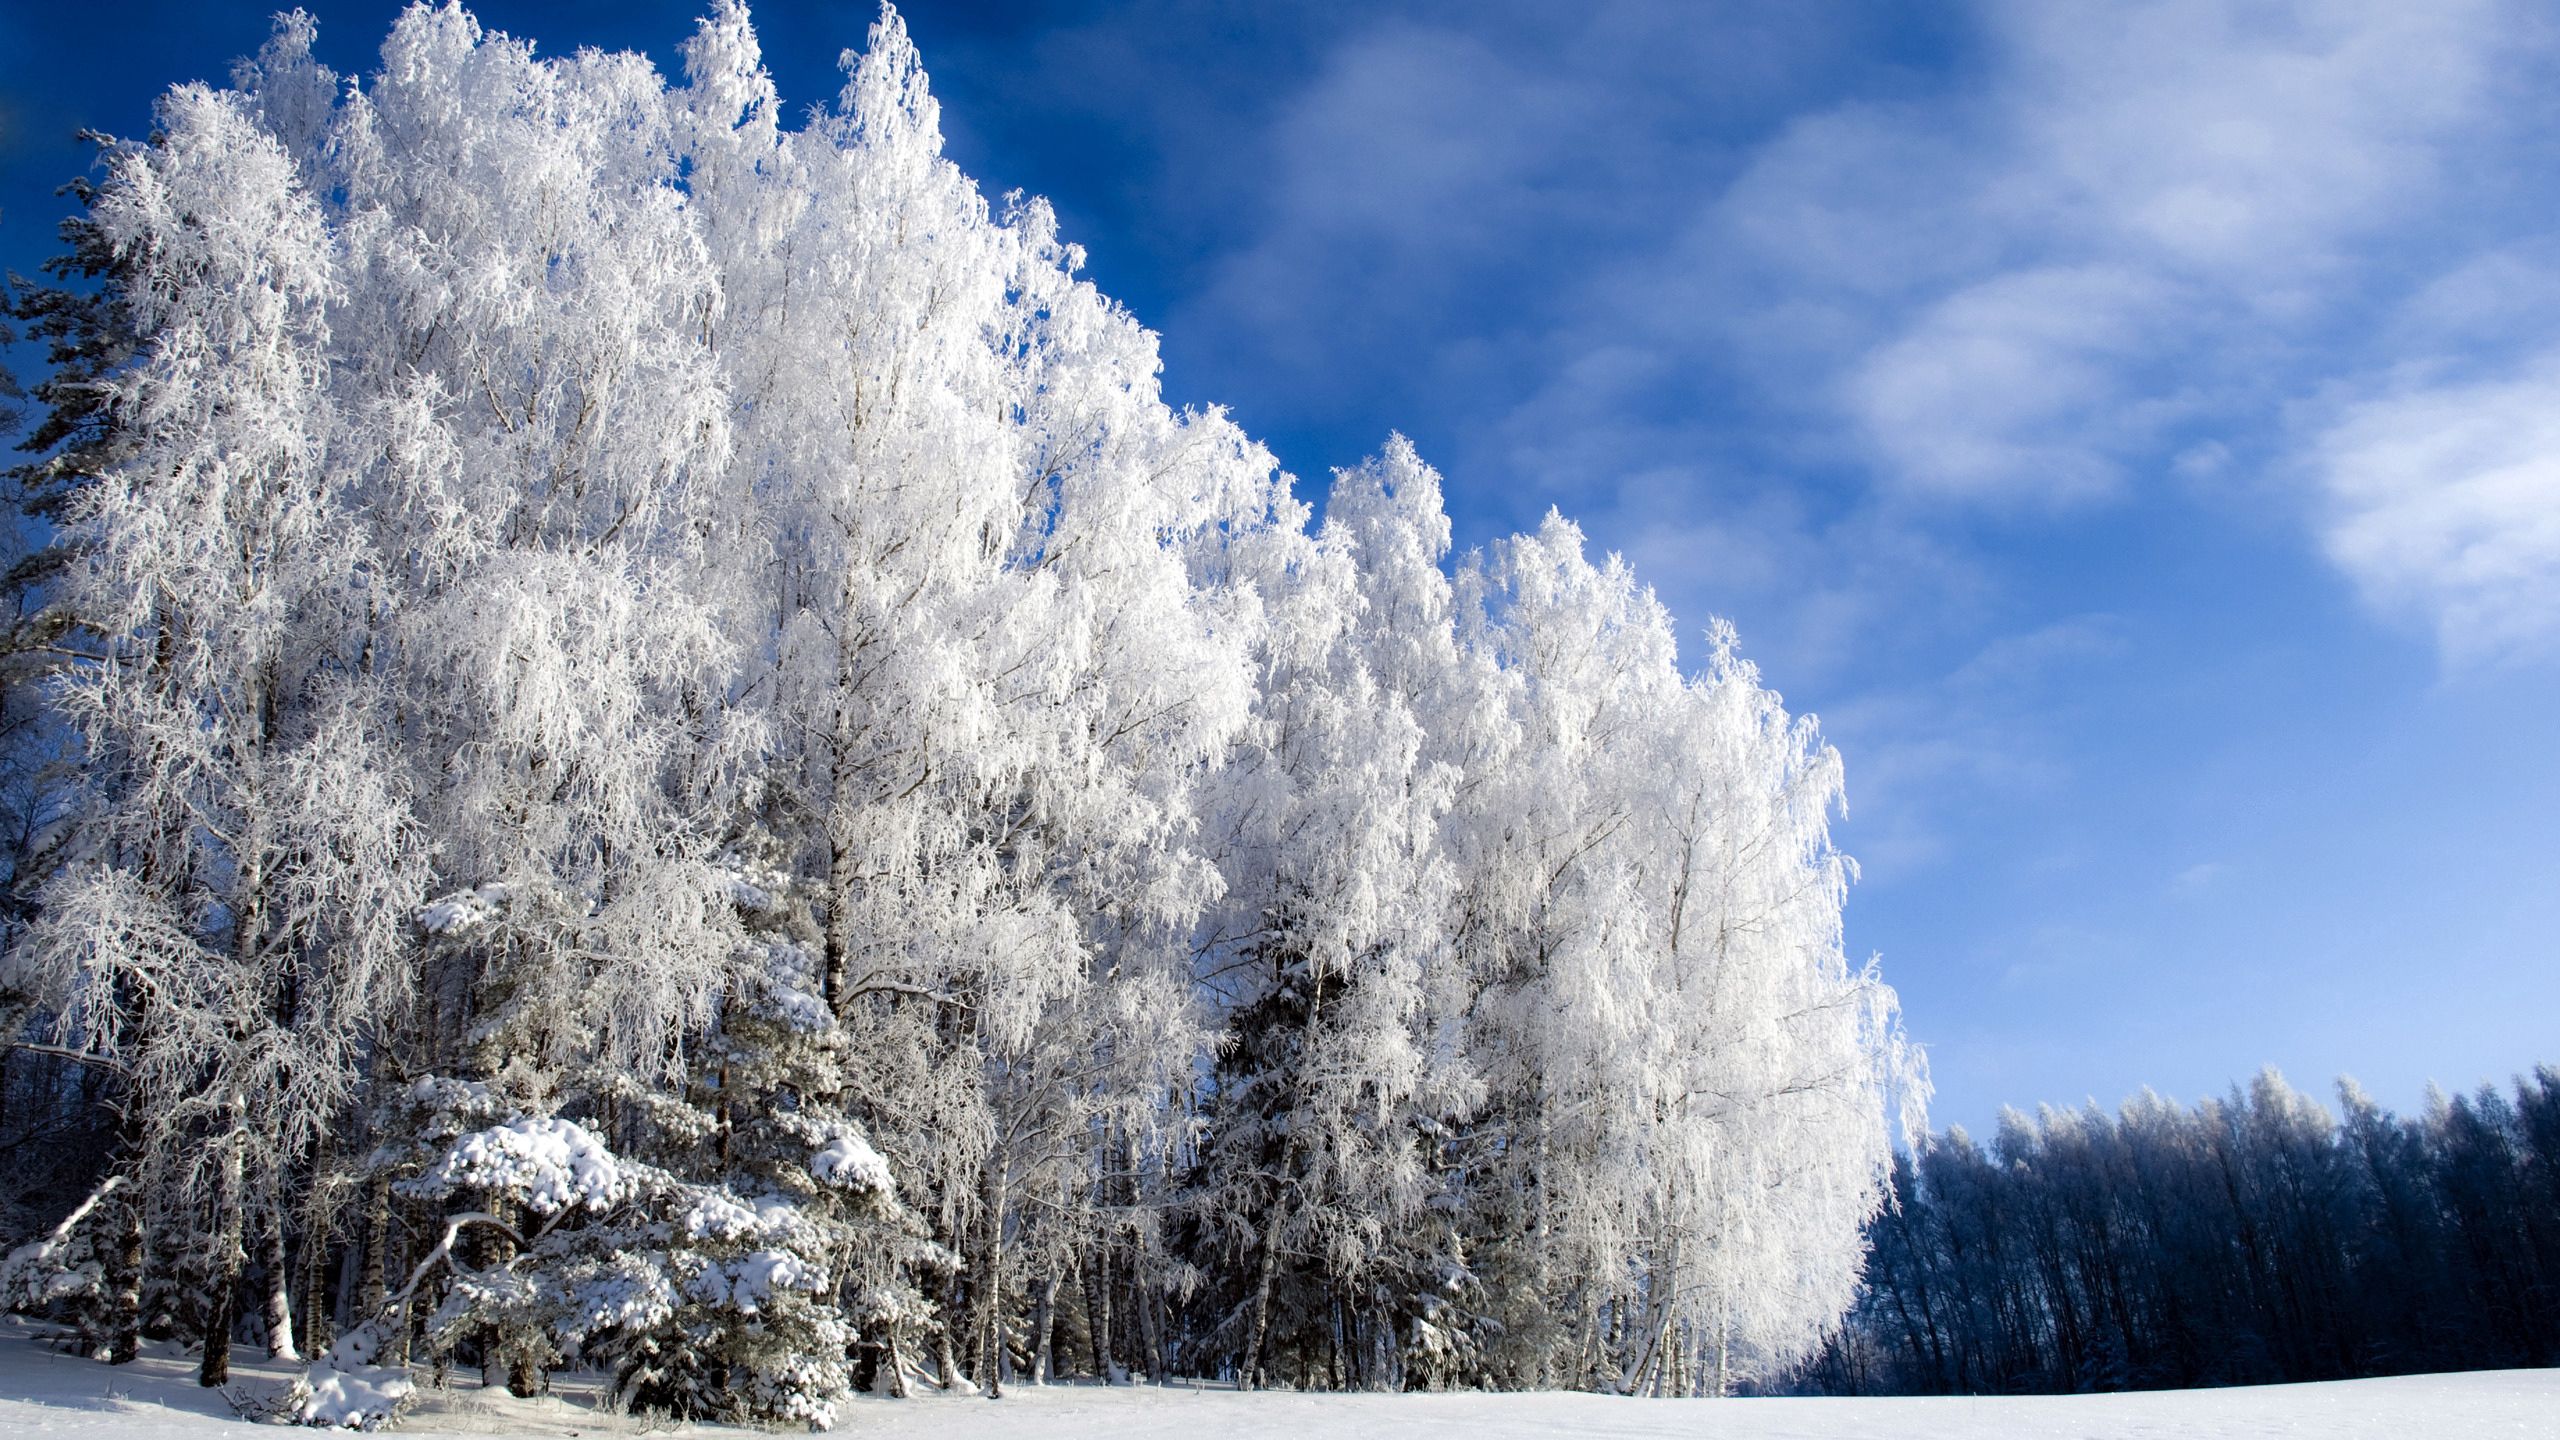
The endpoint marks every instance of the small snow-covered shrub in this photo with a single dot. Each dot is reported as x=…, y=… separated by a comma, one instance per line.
x=344, y=1389
x=698, y=1300
x=722, y=1310
x=62, y=1273
x=49, y=1270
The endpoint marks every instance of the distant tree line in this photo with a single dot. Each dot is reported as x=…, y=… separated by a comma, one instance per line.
x=2249, y=1240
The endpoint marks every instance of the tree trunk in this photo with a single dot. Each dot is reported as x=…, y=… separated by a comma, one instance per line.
x=1044, y=1325
x=1639, y=1366
x=524, y=1376
x=1249, y=1372
x=155, y=1304
x=315, y=1316
x=1724, y=1352
x=248, y=921
x=895, y=1385
x=1334, y=1367
x=843, y=864
x=990, y=1286
x=226, y=1260
x=373, y=1287
x=342, y=1295
x=1602, y=1341
x=1097, y=1309
x=125, y=1260
x=838, y=939
x=1151, y=1328
x=279, y=1292
x=943, y=1360
x=215, y=1369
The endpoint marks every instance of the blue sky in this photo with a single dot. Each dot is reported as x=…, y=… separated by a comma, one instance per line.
x=2133, y=428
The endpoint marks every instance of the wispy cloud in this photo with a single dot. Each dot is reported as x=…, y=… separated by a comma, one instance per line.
x=2443, y=501
x=1973, y=739
x=2197, y=879
x=2021, y=386
x=2138, y=229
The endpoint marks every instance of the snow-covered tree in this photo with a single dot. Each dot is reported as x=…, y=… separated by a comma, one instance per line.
x=1686, y=1085
x=548, y=439
x=1001, y=655
x=1337, y=891
x=227, y=928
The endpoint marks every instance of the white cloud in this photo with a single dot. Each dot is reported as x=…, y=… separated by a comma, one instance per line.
x=2198, y=878
x=2135, y=247
x=2443, y=503
x=2015, y=387
x=2123, y=233
x=2241, y=139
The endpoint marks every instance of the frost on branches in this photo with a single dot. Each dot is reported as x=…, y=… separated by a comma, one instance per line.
x=682, y=768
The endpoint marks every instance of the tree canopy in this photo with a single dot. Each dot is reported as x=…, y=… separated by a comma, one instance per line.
x=665, y=756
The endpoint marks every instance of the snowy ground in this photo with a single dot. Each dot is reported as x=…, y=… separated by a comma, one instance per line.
x=45, y=1394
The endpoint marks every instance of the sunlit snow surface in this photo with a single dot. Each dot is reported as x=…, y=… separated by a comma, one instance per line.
x=42, y=1393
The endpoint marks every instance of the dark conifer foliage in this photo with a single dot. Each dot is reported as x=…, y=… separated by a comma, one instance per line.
x=2249, y=1240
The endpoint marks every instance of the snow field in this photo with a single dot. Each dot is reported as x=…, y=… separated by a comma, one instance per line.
x=43, y=1393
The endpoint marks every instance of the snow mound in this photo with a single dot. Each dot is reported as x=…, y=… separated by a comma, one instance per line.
x=345, y=1390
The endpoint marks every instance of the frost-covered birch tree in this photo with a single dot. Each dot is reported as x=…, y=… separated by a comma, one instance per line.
x=227, y=928
x=1313, y=1167
x=1001, y=651
x=1686, y=1084
x=528, y=311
